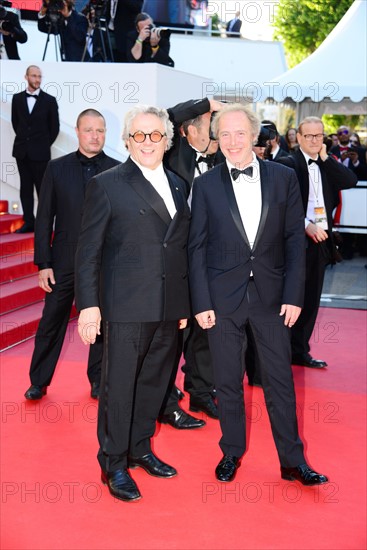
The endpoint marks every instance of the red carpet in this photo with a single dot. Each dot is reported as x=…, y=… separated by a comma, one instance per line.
x=52, y=497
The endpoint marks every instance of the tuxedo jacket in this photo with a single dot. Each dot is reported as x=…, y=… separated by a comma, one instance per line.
x=60, y=211
x=280, y=154
x=181, y=157
x=35, y=132
x=335, y=177
x=19, y=35
x=220, y=256
x=131, y=259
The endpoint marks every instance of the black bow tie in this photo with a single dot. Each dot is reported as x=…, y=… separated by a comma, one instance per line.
x=209, y=160
x=31, y=95
x=310, y=161
x=235, y=172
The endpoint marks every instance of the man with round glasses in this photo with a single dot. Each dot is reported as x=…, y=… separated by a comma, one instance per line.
x=321, y=178
x=131, y=267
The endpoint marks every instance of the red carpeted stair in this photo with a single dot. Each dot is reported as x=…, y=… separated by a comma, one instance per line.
x=21, y=299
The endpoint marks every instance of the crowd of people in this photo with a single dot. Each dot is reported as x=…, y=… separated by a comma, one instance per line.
x=214, y=231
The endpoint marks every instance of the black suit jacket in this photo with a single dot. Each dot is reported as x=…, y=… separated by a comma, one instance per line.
x=59, y=211
x=162, y=56
x=181, y=157
x=131, y=259
x=236, y=27
x=35, y=132
x=19, y=35
x=280, y=154
x=220, y=256
x=335, y=177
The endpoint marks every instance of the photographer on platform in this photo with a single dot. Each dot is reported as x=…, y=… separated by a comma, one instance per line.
x=148, y=44
x=10, y=32
x=60, y=18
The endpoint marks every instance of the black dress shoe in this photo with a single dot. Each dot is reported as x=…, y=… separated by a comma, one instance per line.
x=26, y=228
x=35, y=392
x=121, y=485
x=178, y=393
x=227, y=468
x=94, y=392
x=181, y=420
x=152, y=465
x=306, y=360
x=204, y=405
x=304, y=474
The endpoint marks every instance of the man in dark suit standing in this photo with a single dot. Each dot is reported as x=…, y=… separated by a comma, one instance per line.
x=193, y=153
x=121, y=15
x=131, y=271
x=57, y=229
x=320, y=178
x=233, y=27
x=35, y=120
x=11, y=32
x=246, y=255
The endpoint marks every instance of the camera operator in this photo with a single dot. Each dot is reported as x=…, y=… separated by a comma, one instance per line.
x=10, y=32
x=148, y=44
x=60, y=17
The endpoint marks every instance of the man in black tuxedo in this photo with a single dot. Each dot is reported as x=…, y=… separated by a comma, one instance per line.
x=11, y=32
x=246, y=256
x=233, y=27
x=35, y=121
x=57, y=229
x=131, y=271
x=320, y=178
x=193, y=153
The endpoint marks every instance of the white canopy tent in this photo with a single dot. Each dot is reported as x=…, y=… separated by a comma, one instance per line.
x=333, y=80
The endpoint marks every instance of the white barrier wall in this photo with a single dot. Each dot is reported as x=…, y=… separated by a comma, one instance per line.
x=112, y=89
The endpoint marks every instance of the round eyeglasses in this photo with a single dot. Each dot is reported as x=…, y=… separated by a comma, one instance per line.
x=140, y=137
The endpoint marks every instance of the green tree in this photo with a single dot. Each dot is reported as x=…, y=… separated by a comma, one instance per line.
x=302, y=25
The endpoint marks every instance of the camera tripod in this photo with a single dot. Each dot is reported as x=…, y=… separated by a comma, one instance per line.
x=99, y=38
x=59, y=49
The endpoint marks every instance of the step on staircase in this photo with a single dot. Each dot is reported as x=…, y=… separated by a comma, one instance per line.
x=21, y=299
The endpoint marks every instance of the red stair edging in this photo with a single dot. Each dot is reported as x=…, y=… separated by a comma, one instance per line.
x=20, y=293
x=10, y=223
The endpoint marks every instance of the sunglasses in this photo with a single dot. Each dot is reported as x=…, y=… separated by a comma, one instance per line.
x=345, y=132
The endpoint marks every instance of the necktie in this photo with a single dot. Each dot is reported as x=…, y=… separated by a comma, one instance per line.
x=30, y=95
x=235, y=172
x=209, y=160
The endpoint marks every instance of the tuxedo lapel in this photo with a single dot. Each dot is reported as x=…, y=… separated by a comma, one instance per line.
x=146, y=190
x=233, y=207
x=265, y=199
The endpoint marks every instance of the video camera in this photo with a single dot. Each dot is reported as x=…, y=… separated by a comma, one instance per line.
x=98, y=6
x=5, y=24
x=53, y=9
x=266, y=133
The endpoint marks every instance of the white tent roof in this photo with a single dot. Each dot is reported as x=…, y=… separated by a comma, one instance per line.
x=336, y=70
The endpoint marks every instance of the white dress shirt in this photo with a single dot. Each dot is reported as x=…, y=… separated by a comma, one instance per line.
x=315, y=193
x=248, y=197
x=31, y=102
x=160, y=183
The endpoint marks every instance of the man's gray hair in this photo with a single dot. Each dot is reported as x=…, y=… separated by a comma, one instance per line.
x=307, y=120
x=149, y=110
x=237, y=107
